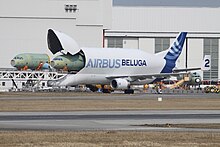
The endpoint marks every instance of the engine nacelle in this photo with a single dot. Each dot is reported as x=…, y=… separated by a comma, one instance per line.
x=120, y=84
x=196, y=80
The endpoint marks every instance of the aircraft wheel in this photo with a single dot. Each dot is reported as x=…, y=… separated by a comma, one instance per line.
x=92, y=88
x=212, y=90
x=129, y=91
x=207, y=89
x=106, y=90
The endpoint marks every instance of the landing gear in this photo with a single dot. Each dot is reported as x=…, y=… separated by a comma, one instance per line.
x=106, y=90
x=129, y=91
x=92, y=88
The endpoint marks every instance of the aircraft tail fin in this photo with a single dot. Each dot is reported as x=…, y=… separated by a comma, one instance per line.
x=176, y=48
x=173, y=52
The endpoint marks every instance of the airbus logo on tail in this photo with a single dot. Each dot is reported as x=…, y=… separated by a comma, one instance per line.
x=176, y=48
x=114, y=63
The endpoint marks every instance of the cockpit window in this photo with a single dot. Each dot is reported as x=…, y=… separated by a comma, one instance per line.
x=59, y=59
x=19, y=58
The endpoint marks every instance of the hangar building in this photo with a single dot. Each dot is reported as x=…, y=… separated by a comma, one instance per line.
x=151, y=25
x=24, y=24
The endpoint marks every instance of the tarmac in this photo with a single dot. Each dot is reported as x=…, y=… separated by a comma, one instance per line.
x=107, y=120
x=110, y=120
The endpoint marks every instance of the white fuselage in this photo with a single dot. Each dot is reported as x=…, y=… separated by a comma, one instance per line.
x=102, y=63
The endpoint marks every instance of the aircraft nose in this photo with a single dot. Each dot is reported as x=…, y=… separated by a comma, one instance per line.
x=46, y=66
x=13, y=63
x=52, y=63
x=55, y=64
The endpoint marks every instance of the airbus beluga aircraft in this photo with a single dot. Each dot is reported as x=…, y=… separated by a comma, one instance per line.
x=117, y=67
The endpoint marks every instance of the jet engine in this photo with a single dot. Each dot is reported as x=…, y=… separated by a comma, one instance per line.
x=120, y=84
x=195, y=78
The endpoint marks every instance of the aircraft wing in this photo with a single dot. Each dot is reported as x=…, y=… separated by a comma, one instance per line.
x=143, y=77
x=176, y=73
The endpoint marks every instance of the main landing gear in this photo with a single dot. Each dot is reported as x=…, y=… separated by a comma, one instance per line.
x=129, y=91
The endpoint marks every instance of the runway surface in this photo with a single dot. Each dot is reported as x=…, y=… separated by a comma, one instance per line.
x=106, y=120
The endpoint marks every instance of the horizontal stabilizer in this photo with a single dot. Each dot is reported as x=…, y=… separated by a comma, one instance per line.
x=206, y=63
x=186, y=69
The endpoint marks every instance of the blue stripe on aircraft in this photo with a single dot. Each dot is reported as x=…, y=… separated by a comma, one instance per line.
x=173, y=53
